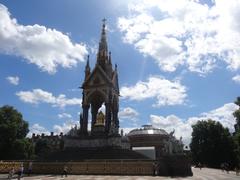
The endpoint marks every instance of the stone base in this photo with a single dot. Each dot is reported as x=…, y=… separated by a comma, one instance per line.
x=95, y=142
x=174, y=165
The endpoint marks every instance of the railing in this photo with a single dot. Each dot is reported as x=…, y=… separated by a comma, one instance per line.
x=104, y=167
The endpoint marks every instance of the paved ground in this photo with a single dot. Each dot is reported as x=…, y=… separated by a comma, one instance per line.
x=204, y=174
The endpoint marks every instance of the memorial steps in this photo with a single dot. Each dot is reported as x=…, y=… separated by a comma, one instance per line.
x=80, y=154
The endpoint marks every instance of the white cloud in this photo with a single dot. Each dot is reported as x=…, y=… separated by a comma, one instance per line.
x=65, y=127
x=64, y=115
x=129, y=116
x=224, y=115
x=169, y=123
x=166, y=92
x=128, y=113
x=47, y=48
x=183, y=127
x=37, y=96
x=236, y=78
x=13, y=80
x=37, y=129
x=185, y=32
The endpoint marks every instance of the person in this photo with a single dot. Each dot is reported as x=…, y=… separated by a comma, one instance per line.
x=29, y=168
x=222, y=167
x=20, y=171
x=155, y=168
x=11, y=173
x=200, y=165
x=237, y=170
x=65, y=171
x=226, y=167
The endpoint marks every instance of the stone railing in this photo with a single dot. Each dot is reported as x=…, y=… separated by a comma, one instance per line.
x=121, y=167
x=5, y=167
x=177, y=165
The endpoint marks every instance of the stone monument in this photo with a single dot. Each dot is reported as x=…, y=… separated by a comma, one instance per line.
x=100, y=87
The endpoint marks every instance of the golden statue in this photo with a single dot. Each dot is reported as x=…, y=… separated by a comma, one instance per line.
x=100, y=119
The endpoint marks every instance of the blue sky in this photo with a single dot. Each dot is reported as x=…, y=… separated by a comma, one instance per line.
x=178, y=61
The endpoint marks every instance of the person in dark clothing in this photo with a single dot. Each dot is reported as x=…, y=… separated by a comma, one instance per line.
x=29, y=168
x=155, y=169
x=65, y=171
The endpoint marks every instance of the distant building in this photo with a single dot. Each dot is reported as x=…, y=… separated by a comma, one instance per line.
x=162, y=142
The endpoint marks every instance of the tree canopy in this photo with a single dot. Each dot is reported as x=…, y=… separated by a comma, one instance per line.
x=236, y=136
x=236, y=114
x=13, y=130
x=212, y=144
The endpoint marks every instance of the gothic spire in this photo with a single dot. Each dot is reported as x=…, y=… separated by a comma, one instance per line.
x=103, y=49
x=87, y=68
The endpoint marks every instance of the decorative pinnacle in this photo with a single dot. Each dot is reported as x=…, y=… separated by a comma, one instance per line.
x=104, y=20
x=104, y=25
x=87, y=65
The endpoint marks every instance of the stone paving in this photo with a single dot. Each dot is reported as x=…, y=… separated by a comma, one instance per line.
x=204, y=174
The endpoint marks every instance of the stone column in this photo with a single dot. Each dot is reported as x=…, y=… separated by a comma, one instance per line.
x=107, y=117
x=94, y=110
x=115, y=116
x=85, y=119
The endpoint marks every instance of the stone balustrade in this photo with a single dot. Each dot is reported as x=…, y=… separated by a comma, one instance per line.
x=120, y=167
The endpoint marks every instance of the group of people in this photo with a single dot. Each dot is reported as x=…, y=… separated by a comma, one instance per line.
x=20, y=171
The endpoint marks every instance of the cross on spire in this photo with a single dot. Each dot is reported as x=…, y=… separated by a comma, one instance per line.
x=104, y=20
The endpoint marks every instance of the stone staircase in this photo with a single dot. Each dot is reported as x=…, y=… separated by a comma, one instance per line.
x=80, y=154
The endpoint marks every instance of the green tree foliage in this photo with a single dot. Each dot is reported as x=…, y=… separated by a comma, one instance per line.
x=236, y=114
x=13, y=130
x=236, y=135
x=212, y=144
x=42, y=148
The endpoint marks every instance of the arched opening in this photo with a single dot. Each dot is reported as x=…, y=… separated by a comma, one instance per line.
x=96, y=101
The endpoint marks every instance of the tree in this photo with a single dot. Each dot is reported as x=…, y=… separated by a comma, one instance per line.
x=236, y=114
x=236, y=135
x=13, y=130
x=42, y=148
x=212, y=144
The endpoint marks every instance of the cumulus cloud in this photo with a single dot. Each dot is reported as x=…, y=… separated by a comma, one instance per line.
x=64, y=115
x=224, y=115
x=183, y=127
x=185, y=33
x=166, y=92
x=37, y=96
x=13, y=80
x=37, y=129
x=129, y=117
x=65, y=127
x=236, y=79
x=45, y=47
x=128, y=113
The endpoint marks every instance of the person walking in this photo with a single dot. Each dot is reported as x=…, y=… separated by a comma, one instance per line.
x=20, y=171
x=155, y=168
x=65, y=171
x=29, y=168
x=237, y=169
x=11, y=173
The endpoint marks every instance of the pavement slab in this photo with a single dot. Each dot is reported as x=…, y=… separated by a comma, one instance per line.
x=203, y=174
